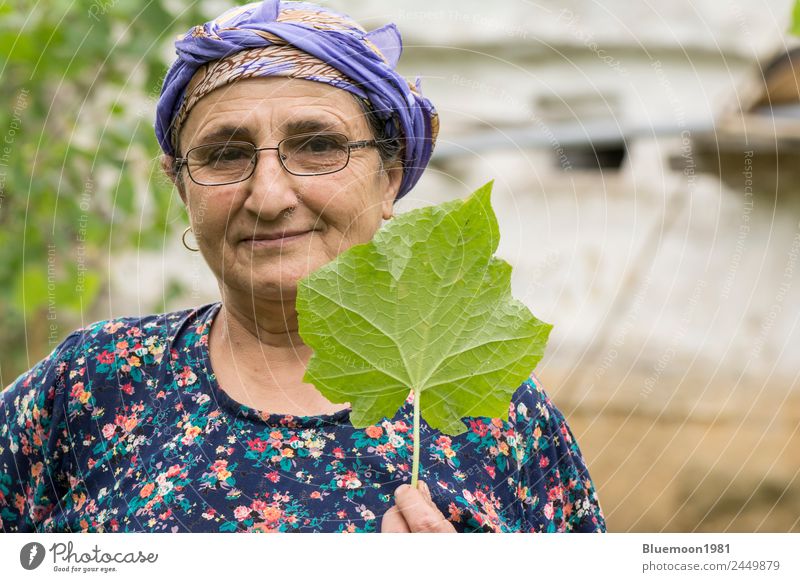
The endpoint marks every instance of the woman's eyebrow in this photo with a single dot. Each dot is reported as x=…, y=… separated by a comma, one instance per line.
x=225, y=132
x=310, y=125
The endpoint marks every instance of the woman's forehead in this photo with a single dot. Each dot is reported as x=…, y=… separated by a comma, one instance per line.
x=273, y=104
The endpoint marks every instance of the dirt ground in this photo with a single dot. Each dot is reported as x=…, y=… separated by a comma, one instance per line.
x=690, y=466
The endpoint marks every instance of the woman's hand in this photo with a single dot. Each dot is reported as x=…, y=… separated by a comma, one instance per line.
x=415, y=512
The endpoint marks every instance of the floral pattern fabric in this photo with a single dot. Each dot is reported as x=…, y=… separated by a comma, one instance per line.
x=124, y=428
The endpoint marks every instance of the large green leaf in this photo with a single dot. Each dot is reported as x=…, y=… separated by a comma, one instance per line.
x=425, y=306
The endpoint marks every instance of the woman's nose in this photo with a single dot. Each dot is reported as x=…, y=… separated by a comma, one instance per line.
x=270, y=189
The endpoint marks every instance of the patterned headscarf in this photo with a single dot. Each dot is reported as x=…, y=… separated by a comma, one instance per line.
x=306, y=41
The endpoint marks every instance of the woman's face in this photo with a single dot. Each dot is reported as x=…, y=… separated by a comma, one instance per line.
x=333, y=211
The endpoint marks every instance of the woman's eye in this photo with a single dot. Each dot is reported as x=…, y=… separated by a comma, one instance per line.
x=320, y=145
x=229, y=154
x=220, y=155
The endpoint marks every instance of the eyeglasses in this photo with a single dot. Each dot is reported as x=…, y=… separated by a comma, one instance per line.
x=306, y=154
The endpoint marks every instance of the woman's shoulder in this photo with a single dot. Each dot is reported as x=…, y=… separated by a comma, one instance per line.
x=538, y=422
x=554, y=470
x=164, y=324
x=122, y=343
x=530, y=402
x=133, y=348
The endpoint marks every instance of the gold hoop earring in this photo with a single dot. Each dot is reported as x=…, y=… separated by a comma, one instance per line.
x=183, y=239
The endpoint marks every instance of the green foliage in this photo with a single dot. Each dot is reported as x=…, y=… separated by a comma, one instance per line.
x=795, y=26
x=79, y=175
x=425, y=306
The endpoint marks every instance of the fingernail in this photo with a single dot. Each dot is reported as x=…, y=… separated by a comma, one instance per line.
x=396, y=491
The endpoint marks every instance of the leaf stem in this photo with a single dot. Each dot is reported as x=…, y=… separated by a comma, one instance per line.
x=415, y=463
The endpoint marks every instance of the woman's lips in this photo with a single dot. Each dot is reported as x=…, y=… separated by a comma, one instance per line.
x=276, y=242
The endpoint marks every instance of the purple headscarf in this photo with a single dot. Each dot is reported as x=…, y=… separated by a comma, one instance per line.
x=366, y=61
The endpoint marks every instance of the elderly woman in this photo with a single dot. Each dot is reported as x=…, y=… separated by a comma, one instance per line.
x=289, y=136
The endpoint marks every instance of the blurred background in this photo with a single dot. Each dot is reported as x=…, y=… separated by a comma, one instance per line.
x=646, y=159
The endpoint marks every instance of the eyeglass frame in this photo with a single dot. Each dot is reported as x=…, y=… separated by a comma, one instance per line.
x=179, y=163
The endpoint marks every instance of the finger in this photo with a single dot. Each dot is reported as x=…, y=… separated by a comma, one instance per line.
x=421, y=515
x=394, y=522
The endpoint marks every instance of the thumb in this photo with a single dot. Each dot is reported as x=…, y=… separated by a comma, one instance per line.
x=423, y=487
x=394, y=522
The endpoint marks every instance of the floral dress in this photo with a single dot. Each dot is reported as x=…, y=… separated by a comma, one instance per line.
x=124, y=428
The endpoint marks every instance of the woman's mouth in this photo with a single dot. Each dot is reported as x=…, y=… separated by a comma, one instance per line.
x=276, y=241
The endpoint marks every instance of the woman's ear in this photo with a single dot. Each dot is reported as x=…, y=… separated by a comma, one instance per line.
x=168, y=166
x=394, y=175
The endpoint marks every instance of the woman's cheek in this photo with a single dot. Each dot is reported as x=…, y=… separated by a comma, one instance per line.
x=325, y=246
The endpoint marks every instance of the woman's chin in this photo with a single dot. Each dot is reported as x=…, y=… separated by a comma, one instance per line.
x=272, y=279
x=277, y=286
